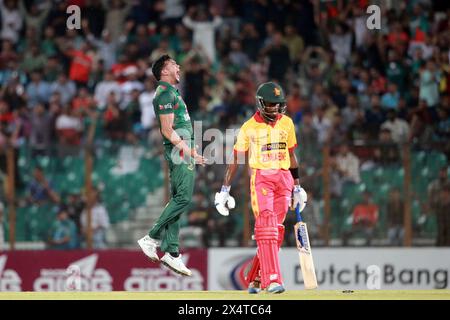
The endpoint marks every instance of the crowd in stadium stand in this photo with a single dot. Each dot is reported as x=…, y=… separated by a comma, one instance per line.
x=346, y=85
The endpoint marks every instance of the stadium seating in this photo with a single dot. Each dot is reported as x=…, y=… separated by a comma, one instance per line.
x=121, y=194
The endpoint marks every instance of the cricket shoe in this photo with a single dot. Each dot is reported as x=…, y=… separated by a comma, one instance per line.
x=275, y=287
x=175, y=264
x=149, y=245
x=254, y=287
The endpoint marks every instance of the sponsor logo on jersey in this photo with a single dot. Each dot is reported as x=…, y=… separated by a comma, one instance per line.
x=165, y=106
x=274, y=146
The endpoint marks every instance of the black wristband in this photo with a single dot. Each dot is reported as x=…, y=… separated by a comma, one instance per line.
x=294, y=172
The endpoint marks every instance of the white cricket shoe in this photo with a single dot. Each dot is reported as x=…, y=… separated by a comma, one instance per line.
x=175, y=264
x=275, y=287
x=149, y=245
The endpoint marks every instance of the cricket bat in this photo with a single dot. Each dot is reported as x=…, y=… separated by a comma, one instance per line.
x=305, y=254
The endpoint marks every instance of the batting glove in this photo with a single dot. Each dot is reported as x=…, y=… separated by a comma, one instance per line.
x=223, y=201
x=300, y=197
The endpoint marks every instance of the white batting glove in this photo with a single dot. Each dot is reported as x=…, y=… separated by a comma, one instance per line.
x=223, y=201
x=300, y=197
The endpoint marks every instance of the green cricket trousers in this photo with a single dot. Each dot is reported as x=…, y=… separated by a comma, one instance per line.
x=167, y=227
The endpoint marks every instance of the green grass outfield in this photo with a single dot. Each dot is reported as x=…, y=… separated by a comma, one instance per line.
x=233, y=295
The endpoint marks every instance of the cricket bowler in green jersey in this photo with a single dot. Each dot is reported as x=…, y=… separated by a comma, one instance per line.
x=180, y=153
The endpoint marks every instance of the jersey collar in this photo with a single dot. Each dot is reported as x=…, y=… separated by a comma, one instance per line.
x=258, y=118
x=166, y=84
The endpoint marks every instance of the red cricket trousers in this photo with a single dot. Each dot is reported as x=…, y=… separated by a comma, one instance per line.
x=271, y=192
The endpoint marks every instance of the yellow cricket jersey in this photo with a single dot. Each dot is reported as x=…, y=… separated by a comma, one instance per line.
x=268, y=144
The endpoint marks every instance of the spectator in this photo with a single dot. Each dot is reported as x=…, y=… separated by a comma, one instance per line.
x=63, y=233
x=396, y=71
x=341, y=91
x=348, y=164
x=36, y=16
x=358, y=132
x=40, y=190
x=53, y=69
x=364, y=219
x=132, y=83
x=203, y=30
x=196, y=72
x=116, y=13
x=399, y=128
x=395, y=210
x=115, y=120
x=322, y=125
x=386, y=152
x=13, y=94
x=294, y=42
x=133, y=112
x=359, y=26
x=94, y=13
x=421, y=124
x=434, y=188
x=224, y=87
x=429, y=84
x=161, y=49
x=239, y=59
x=378, y=83
x=251, y=41
x=8, y=53
x=338, y=132
x=65, y=87
x=83, y=101
x=390, y=99
x=174, y=11
x=341, y=42
x=99, y=220
x=106, y=46
x=148, y=116
x=11, y=21
x=308, y=139
x=69, y=129
x=80, y=65
x=319, y=96
x=105, y=87
x=74, y=207
x=350, y=112
x=294, y=101
x=279, y=60
x=33, y=59
x=37, y=91
x=40, y=131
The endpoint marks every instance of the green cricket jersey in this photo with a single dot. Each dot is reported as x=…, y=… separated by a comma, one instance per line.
x=168, y=100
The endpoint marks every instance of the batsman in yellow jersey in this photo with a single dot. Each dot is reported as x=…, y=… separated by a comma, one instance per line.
x=268, y=140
